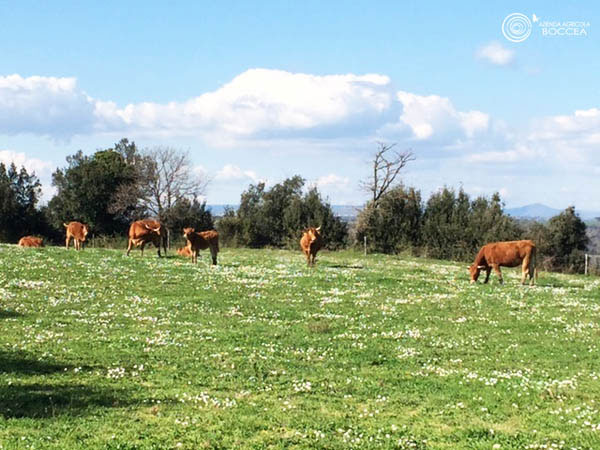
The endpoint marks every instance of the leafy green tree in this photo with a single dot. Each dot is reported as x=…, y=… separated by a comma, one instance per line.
x=567, y=241
x=393, y=224
x=277, y=216
x=86, y=187
x=19, y=195
x=186, y=213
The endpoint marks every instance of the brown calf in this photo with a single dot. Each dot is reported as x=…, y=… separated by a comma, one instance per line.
x=76, y=231
x=507, y=254
x=311, y=243
x=184, y=251
x=31, y=241
x=201, y=240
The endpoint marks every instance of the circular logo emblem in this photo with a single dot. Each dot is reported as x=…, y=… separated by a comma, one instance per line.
x=516, y=27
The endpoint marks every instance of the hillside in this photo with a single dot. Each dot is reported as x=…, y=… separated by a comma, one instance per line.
x=104, y=351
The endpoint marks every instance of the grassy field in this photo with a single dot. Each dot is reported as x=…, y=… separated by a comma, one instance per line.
x=98, y=350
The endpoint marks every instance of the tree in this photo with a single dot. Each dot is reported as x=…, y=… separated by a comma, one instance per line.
x=163, y=178
x=385, y=170
x=278, y=215
x=87, y=186
x=394, y=225
x=19, y=195
x=567, y=240
x=186, y=213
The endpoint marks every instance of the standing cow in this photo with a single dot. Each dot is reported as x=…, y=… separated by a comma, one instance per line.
x=311, y=243
x=147, y=230
x=31, y=241
x=200, y=240
x=76, y=231
x=507, y=254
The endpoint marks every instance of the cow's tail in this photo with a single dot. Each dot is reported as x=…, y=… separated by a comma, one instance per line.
x=65, y=225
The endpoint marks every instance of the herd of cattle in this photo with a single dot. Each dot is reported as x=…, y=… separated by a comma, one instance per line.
x=141, y=232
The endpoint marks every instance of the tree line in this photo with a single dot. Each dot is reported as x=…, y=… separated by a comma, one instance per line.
x=112, y=187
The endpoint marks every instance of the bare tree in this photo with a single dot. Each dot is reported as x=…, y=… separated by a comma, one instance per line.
x=386, y=168
x=164, y=177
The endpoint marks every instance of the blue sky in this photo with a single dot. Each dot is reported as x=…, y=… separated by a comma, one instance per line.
x=265, y=90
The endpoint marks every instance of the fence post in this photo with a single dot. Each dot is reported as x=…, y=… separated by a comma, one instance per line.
x=586, y=263
x=365, y=241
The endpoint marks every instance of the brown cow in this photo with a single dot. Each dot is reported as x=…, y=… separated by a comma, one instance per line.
x=311, y=243
x=200, y=240
x=507, y=254
x=76, y=231
x=184, y=251
x=147, y=230
x=31, y=241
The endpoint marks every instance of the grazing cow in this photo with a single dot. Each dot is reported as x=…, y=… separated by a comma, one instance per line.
x=311, y=243
x=31, y=241
x=76, y=231
x=200, y=240
x=184, y=251
x=507, y=254
x=147, y=230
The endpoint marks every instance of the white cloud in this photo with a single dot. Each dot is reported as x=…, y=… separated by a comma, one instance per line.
x=434, y=116
x=20, y=159
x=257, y=105
x=44, y=105
x=232, y=172
x=333, y=181
x=262, y=101
x=495, y=53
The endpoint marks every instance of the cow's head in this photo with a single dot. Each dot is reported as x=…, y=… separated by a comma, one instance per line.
x=313, y=234
x=187, y=231
x=156, y=230
x=474, y=271
x=86, y=230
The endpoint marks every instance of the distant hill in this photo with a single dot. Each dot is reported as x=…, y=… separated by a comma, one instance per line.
x=543, y=212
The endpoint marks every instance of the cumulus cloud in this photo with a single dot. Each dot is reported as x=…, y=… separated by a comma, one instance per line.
x=20, y=159
x=232, y=172
x=432, y=116
x=495, y=53
x=262, y=101
x=332, y=181
x=45, y=106
x=257, y=105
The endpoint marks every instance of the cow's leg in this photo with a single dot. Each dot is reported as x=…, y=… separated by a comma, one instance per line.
x=307, y=259
x=77, y=244
x=496, y=268
x=129, y=245
x=524, y=269
x=196, y=251
x=213, y=253
x=142, y=247
x=67, y=242
x=488, y=270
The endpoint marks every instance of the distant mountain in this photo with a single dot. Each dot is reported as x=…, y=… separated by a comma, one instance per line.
x=533, y=211
x=543, y=212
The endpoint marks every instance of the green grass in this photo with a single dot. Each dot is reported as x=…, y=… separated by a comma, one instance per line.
x=98, y=350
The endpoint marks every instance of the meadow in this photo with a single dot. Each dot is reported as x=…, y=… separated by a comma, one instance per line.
x=103, y=351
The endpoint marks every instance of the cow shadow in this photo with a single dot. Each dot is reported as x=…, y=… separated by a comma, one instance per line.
x=343, y=266
x=51, y=396
x=7, y=314
x=44, y=400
